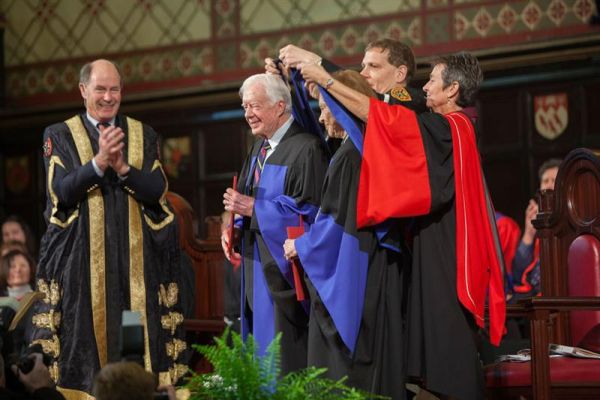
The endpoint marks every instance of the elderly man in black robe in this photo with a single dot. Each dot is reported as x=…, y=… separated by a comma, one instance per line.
x=279, y=187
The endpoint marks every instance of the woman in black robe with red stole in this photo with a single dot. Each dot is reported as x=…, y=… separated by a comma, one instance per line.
x=427, y=166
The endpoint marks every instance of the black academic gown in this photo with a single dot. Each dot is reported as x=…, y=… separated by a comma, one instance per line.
x=289, y=187
x=111, y=245
x=441, y=333
x=406, y=96
x=356, y=288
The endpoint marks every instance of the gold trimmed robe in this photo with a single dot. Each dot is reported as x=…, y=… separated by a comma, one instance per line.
x=111, y=245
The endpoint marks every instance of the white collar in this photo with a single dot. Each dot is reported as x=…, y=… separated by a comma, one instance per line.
x=278, y=135
x=18, y=291
x=95, y=121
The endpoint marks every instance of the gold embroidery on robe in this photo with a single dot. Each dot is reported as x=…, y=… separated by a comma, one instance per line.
x=171, y=321
x=168, y=297
x=177, y=371
x=51, y=292
x=137, y=285
x=49, y=320
x=163, y=203
x=50, y=346
x=53, y=369
x=72, y=394
x=175, y=347
x=97, y=245
x=54, y=161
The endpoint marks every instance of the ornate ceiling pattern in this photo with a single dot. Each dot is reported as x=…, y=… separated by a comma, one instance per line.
x=49, y=30
x=165, y=45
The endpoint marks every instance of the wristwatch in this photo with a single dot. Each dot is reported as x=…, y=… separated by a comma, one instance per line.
x=328, y=83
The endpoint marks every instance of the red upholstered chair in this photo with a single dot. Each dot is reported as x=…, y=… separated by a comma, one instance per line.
x=568, y=226
x=584, y=280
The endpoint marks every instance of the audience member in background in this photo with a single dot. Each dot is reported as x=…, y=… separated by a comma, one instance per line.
x=526, y=264
x=127, y=380
x=17, y=230
x=508, y=233
x=17, y=278
x=5, y=247
x=17, y=274
x=37, y=383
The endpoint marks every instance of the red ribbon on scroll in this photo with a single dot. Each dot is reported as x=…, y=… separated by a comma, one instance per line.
x=295, y=232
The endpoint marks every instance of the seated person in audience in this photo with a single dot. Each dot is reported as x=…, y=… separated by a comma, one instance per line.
x=5, y=247
x=508, y=233
x=17, y=278
x=127, y=380
x=526, y=264
x=17, y=274
x=15, y=229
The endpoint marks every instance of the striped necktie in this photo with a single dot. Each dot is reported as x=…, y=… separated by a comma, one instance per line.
x=260, y=160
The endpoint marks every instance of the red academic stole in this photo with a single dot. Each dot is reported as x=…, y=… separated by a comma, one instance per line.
x=478, y=264
x=380, y=197
x=524, y=286
x=509, y=234
x=294, y=232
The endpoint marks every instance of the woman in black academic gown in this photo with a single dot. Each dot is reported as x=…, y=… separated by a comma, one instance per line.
x=353, y=278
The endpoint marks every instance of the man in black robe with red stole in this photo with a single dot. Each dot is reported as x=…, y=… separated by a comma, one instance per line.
x=111, y=243
x=427, y=166
x=388, y=66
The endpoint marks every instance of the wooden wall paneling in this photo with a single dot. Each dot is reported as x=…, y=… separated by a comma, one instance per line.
x=509, y=194
x=226, y=146
x=591, y=128
x=2, y=67
x=3, y=199
x=200, y=188
x=23, y=182
x=222, y=146
x=500, y=112
x=501, y=143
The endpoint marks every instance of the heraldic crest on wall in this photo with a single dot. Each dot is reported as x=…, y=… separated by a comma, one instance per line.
x=551, y=114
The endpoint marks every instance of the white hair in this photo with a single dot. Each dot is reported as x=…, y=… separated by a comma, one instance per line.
x=275, y=88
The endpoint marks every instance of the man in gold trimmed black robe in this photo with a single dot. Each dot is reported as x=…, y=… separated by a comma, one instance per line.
x=111, y=242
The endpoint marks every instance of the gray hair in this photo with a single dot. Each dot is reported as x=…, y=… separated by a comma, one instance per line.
x=274, y=86
x=548, y=164
x=463, y=68
x=86, y=72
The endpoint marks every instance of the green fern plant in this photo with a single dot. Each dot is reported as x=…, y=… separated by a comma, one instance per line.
x=240, y=374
